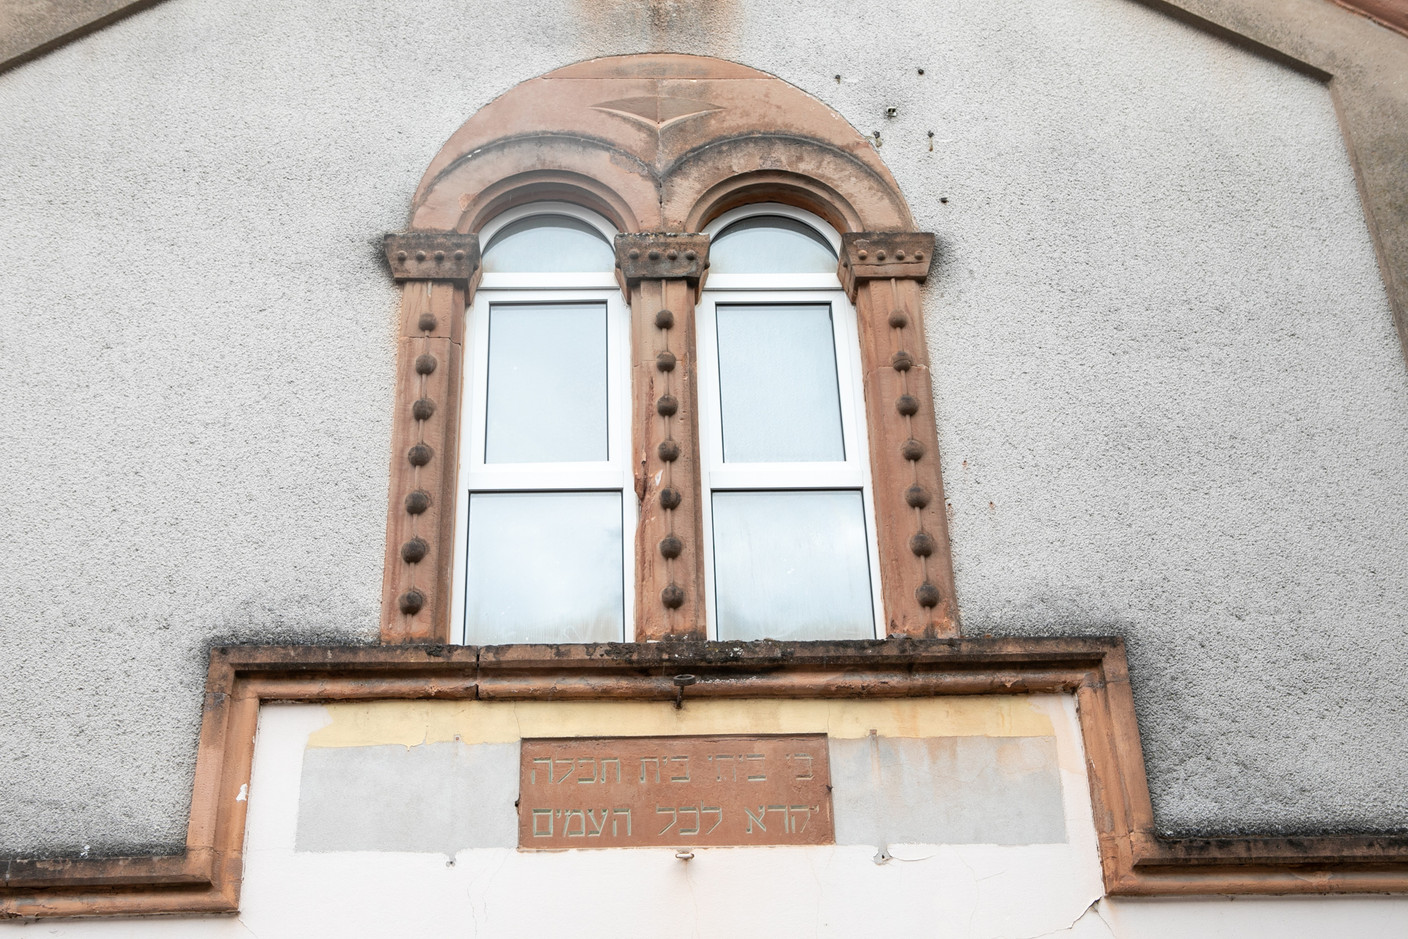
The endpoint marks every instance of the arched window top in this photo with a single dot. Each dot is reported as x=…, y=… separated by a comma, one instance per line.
x=548, y=238
x=772, y=239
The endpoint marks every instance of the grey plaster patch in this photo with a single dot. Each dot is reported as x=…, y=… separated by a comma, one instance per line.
x=434, y=798
x=946, y=790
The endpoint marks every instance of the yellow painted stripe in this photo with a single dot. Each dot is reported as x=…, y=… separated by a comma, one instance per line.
x=409, y=723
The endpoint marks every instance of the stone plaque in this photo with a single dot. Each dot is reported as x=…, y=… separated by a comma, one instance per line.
x=621, y=792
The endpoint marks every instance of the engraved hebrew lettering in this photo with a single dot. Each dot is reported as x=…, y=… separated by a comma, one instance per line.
x=758, y=775
x=653, y=760
x=741, y=789
x=533, y=774
x=590, y=763
x=685, y=776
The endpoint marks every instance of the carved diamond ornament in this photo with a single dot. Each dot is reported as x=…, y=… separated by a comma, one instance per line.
x=658, y=111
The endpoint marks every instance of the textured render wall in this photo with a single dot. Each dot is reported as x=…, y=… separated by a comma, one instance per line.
x=1163, y=356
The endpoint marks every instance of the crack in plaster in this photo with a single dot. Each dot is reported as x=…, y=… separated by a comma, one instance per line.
x=973, y=909
x=479, y=906
x=1093, y=907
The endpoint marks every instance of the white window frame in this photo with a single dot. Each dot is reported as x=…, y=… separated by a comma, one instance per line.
x=474, y=475
x=853, y=473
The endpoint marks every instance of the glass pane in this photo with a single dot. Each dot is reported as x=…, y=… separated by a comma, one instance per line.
x=791, y=565
x=778, y=390
x=770, y=244
x=544, y=567
x=547, y=383
x=549, y=243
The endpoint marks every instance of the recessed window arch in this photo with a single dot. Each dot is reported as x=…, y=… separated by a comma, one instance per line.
x=770, y=239
x=552, y=238
x=715, y=173
x=544, y=518
x=788, y=514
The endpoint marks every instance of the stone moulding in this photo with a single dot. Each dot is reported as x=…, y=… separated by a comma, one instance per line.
x=1135, y=861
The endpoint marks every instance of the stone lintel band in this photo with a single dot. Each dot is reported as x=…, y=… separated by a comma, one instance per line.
x=437, y=271
x=661, y=273
x=881, y=272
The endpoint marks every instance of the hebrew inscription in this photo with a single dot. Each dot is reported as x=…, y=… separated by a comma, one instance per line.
x=627, y=792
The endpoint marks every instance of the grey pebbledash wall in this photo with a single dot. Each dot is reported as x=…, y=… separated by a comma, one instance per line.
x=1170, y=398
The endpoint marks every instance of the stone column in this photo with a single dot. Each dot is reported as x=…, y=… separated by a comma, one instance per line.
x=661, y=275
x=881, y=272
x=437, y=271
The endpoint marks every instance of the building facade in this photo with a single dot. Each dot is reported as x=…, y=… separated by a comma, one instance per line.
x=637, y=467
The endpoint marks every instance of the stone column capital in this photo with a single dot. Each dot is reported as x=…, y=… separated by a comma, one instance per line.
x=661, y=256
x=903, y=255
x=433, y=255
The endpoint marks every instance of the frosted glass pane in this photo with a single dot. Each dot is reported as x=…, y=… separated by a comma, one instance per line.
x=769, y=244
x=544, y=567
x=777, y=384
x=547, y=383
x=549, y=243
x=791, y=565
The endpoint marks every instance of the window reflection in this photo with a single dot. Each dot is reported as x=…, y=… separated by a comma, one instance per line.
x=774, y=412
x=791, y=565
x=771, y=244
x=547, y=244
x=544, y=567
x=547, y=383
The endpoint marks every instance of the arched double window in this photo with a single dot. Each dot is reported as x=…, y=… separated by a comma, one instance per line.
x=788, y=524
x=682, y=392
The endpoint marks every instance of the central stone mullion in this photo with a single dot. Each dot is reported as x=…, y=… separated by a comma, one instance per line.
x=660, y=273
